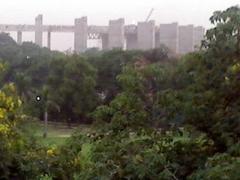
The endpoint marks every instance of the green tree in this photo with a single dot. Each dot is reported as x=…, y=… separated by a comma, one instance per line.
x=11, y=142
x=71, y=85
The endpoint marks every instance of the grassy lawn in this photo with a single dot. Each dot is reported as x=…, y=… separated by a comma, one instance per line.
x=57, y=135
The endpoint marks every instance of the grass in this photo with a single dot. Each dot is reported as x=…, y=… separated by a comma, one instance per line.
x=51, y=141
x=57, y=134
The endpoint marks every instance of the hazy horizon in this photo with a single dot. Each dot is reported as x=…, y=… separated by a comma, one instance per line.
x=100, y=12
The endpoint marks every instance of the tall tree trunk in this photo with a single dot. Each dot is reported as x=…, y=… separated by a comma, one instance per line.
x=45, y=123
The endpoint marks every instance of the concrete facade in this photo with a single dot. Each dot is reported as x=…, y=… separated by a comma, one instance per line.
x=80, y=35
x=186, y=39
x=146, y=35
x=116, y=34
x=169, y=35
x=131, y=37
x=198, y=36
x=38, y=30
x=131, y=42
x=104, y=38
x=19, y=37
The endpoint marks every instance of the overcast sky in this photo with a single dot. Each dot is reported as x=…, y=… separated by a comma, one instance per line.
x=195, y=12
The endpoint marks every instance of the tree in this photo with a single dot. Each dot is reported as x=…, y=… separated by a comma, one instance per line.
x=109, y=65
x=10, y=140
x=225, y=37
x=71, y=85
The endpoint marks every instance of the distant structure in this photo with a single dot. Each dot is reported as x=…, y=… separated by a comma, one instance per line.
x=169, y=36
x=145, y=35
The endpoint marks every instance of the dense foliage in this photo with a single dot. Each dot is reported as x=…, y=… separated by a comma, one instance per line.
x=11, y=142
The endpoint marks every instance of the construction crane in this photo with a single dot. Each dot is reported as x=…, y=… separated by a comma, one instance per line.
x=149, y=15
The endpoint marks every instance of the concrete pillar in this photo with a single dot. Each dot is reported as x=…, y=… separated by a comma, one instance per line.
x=38, y=30
x=19, y=37
x=80, y=35
x=146, y=35
x=116, y=34
x=104, y=38
x=186, y=40
x=49, y=40
x=168, y=36
x=198, y=36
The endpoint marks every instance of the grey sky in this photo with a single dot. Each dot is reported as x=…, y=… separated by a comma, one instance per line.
x=100, y=11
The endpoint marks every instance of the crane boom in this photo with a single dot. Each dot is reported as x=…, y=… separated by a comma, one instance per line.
x=149, y=15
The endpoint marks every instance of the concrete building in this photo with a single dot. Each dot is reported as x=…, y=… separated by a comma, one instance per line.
x=131, y=42
x=80, y=35
x=198, y=35
x=186, y=39
x=168, y=36
x=38, y=30
x=131, y=37
x=146, y=35
x=116, y=34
